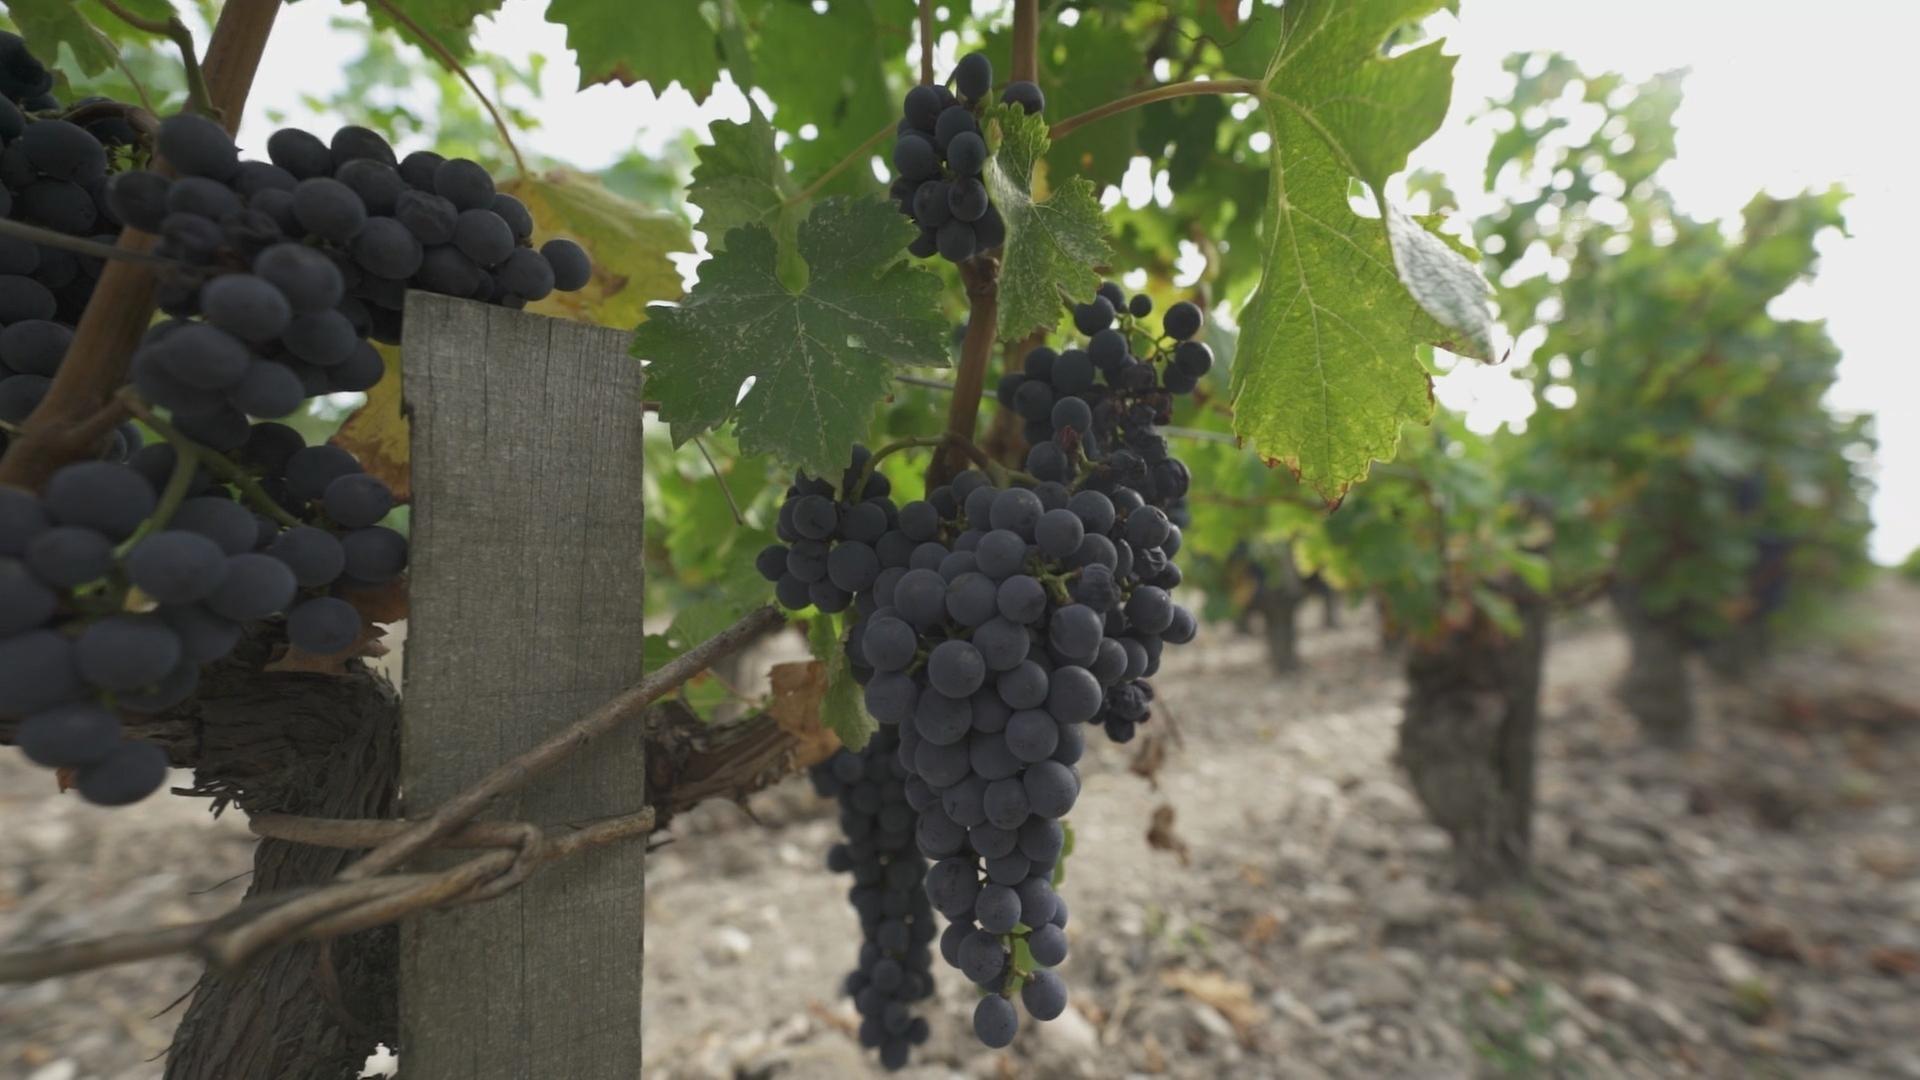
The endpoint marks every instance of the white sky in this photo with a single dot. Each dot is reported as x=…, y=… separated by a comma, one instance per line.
x=1784, y=95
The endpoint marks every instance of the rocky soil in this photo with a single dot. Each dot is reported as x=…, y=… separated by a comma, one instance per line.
x=1749, y=908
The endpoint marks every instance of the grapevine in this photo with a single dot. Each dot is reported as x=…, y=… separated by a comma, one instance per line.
x=174, y=313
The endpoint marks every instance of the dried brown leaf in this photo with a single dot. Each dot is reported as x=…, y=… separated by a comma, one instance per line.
x=385, y=603
x=1231, y=998
x=1148, y=760
x=377, y=431
x=798, y=689
x=1161, y=837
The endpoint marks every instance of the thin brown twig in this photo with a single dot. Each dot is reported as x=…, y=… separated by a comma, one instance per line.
x=1026, y=41
x=518, y=772
x=926, y=42
x=1147, y=97
x=176, y=31
x=719, y=478
x=839, y=167
x=339, y=908
x=80, y=244
x=452, y=63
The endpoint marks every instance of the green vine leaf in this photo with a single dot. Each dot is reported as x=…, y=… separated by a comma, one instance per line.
x=1054, y=247
x=826, y=64
x=820, y=357
x=48, y=24
x=669, y=42
x=449, y=21
x=741, y=180
x=842, y=710
x=1327, y=371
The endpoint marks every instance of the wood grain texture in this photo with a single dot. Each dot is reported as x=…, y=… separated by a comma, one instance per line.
x=526, y=611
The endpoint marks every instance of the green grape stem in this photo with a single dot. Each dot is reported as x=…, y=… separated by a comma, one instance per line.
x=218, y=464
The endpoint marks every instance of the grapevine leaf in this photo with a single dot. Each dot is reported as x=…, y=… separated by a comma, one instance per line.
x=377, y=431
x=628, y=242
x=48, y=24
x=732, y=598
x=1053, y=247
x=820, y=357
x=842, y=710
x=669, y=41
x=741, y=180
x=826, y=66
x=1327, y=371
x=1442, y=280
x=449, y=22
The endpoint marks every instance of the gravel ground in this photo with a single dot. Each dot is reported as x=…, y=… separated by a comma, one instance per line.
x=1750, y=908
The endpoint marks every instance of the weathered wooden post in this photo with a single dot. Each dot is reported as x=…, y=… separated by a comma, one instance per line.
x=526, y=603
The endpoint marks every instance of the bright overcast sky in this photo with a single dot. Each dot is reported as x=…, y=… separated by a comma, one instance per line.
x=1783, y=95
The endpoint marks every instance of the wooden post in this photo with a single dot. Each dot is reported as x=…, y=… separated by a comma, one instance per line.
x=526, y=598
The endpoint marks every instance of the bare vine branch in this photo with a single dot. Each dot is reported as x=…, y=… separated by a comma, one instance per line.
x=1147, y=97
x=517, y=773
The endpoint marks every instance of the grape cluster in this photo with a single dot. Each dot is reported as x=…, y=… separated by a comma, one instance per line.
x=896, y=921
x=1094, y=409
x=113, y=599
x=285, y=268
x=53, y=175
x=941, y=154
x=991, y=624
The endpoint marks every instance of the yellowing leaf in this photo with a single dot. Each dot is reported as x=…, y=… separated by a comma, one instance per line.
x=629, y=244
x=377, y=431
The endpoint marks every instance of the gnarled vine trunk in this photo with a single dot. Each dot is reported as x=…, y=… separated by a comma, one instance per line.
x=1657, y=687
x=1467, y=740
x=1279, y=600
x=293, y=743
x=1279, y=614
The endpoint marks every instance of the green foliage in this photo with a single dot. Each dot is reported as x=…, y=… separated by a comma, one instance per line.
x=821, y=358
x=1910, y=566
x=842, y=710
x=669, y=42
x=1439, y=537
x=1333, y=326
x=827, y=70
x=1052, y=245
x=1682, y=426
x=741, y=180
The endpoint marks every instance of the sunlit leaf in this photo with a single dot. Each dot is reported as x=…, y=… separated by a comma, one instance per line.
x=1327, y=372
x=1053, y=247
